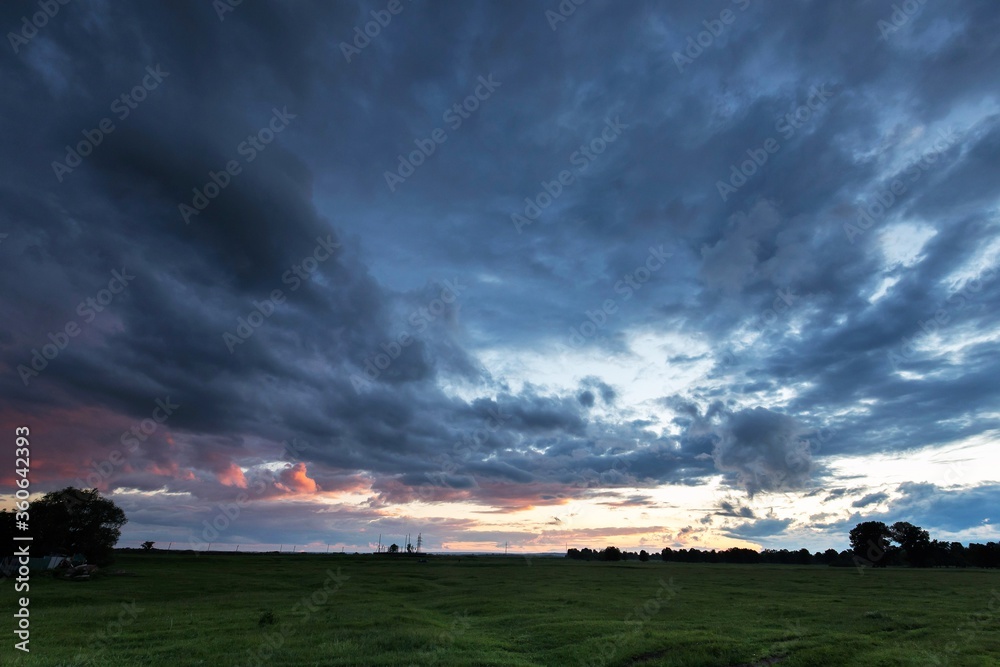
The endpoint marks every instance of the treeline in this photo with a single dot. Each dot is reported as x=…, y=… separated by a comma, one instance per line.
x=733, y=555
x=873, y=544
x=749, y=556
x=942, y=554
x=876, y=544
x=607, y=553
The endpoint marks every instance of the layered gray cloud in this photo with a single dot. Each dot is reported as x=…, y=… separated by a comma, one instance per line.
x=764, y=450
x=404, y=350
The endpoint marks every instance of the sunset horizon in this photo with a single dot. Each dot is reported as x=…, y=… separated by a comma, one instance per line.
x=514, y=279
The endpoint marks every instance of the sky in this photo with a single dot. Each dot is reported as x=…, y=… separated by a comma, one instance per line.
x=522, y=275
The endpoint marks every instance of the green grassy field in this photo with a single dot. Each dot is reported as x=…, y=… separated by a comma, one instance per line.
x=355, y=610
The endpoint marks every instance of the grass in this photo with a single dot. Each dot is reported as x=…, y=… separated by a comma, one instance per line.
x=219, y=610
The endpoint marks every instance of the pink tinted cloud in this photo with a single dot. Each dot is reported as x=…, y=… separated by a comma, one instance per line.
x=296, y=479
x=72, y=446
x=232, y=476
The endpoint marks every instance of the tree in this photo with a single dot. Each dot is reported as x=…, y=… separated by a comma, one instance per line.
x=983, y=555
x=956, y=555
x=914, y=541
x=643, y=556
x=148, y=546
x=870, y=543
x=394, y=548
x=75, y=521
x=611, y=553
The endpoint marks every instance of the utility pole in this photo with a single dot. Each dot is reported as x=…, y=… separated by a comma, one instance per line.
x=505, y=548
x=420, y=541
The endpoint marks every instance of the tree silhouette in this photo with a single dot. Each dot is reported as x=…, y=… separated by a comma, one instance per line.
x=75, y=521
x=914, y=541
x=870, y=543
x=870, y=546
x=394, y=548
x=611, y=553
x=148, y=546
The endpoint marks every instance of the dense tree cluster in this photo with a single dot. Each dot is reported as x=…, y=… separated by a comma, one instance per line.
x=748, y=556
x=873, y=544
x=733, y=555
x=607, y=554
x=69, y=522
x=876, y=544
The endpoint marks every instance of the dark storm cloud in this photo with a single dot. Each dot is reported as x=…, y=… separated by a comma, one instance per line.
x=934, y=507
x=767, y=279
x=595, y=384
x=759, y=450
x=764, y=451
x=760, y=528
x=948, y=509
x=870, y=499
x=734, y=509
x=835, y=493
